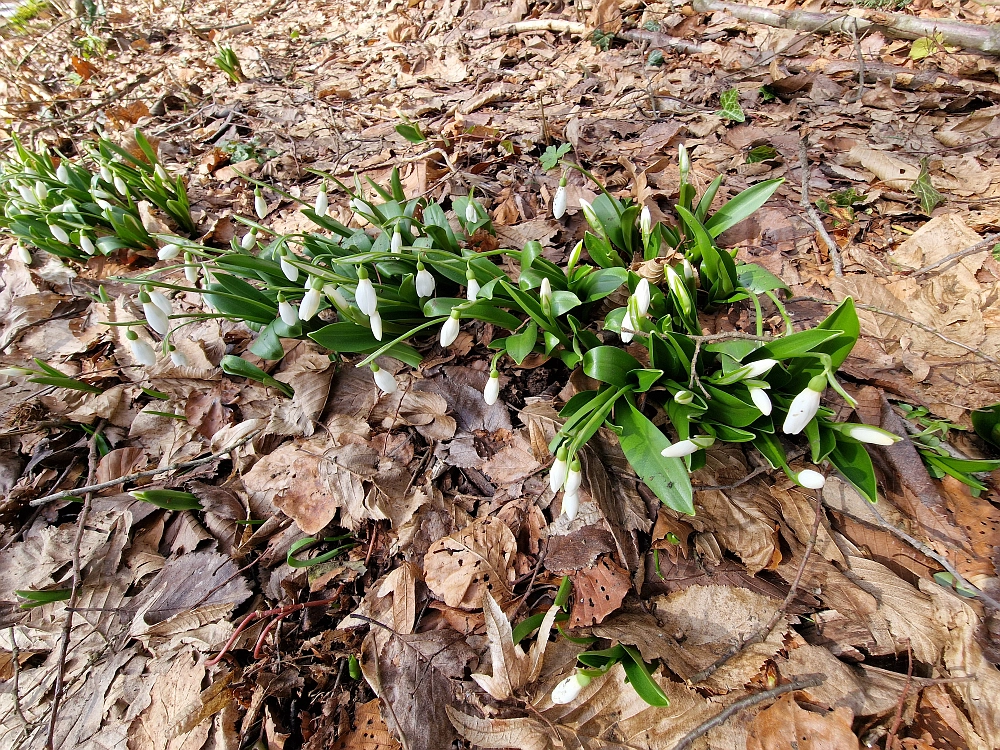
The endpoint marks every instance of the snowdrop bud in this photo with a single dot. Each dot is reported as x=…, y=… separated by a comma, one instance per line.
x=59, y=233
x=120, y=186
x=472, y=286
x=291, y=271
x=866, y=434
x=190, y=270
x=41, y=191
x=425, y=281
x=804, y=406
x=645, y=223
x=16, y=372
x=155, y=317
x=259, y=204
x=364, y=294
x=574, y=478
x=571, y=504
x=161, y=301
x=142, y=352
x=545, y=296
x=358, y=205
x=449, y=331
x=286, y=312
x=396, y=243
x=761, y=400
x=384, y=379
x=335, y=296
x=62, y=174
x=106, y=173
x=559, y=470
x=679, y=289
x=310, y=303
x=760, y=367
x=567, y=690
x=249, y=239
x=471, y=215
x=178, y=358
x=375, y=321
x=168, y=252
x=492, y=390
x=627, y=331
x=322, y=202
x=22, y=254
x=684, y=397
x=592, y=219
x=161, y=173
x=559, y=202
x=687, y=447
x=87, y=245
x=27, y=195
x=684, y=160
x=810, y=479
x=688, y=270
x=103, y=204
x=574, y=256
x=641, y=295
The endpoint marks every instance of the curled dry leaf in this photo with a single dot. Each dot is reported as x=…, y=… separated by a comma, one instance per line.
x=786, y=724
x=461, y=568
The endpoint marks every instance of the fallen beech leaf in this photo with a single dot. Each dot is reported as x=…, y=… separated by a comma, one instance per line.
x=371, y=733
x=786, y=724
x=597, y=592
x=462, y=567
x=83, y=68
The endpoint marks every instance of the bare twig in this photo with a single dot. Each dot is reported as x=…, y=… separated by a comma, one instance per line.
x=890, y=740
x=812, y=216
x=750, y=700
x=861, y=60
x=41, y=38
x=147, y=473
x=81, y=525
x=970, y=250
x=15, y=656
x=761, y=634
x=658, y=39
x=555, y=25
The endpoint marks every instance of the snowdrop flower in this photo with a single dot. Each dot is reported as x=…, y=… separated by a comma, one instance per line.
x=375, y=321
x=68, y=207
x=384, y=379
x=688, y=270
x=627, y=330
x=559, y=470
x=595, y=223
x=867, y=434
x=310, y=302
x=22, y=254
x=492, y=390
x=758, y=368
x=62, y=174
x=567, y=690
x=178, y=358
x=291, y=272
x=804, y=406
x=259, y=204
x=161, y=173
x=574, y=477
x=425, y=281
x=396, y=243
x=335, y=296
x=322, y=202
x=286, y=312
x=358, y=205
x=103, y=204
x=449, y=331
x=810, y=479
x=684, y=397
x=574, y=257
x=86, y=244
x=641, y=296
x=41, y=191
x=761, y=400
x=168, y=252
x=645, y=223
x=142, y=352
x=59, y=233
x=27, y=195
x=471, y=215
x=364, y=293
x=160, y=300
x=155, y=317
x=106, y=174
x=679, y=289
x=120, y=186
x=472, y=286
x=687, y=447
x=559, y=202
x=571, y=504
x=190, y=270
x=249, y=239
x=545, y=296
x=16, y=372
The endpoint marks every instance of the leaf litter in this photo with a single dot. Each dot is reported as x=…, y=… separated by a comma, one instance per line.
x=458, y=539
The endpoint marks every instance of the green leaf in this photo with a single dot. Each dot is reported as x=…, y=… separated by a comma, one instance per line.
x=38, y=598
x=519, y=345
x=233, y=296
x=655, y=58
x=925, y=191
x=482, y=310
x=729, y=102
x=757, y=279
x=647, y=378
x=986, y=423
x=770, y=448
x=233, y=365
x=794, y=345
x=294, y=562
x=168, y=499
x=550, y=158
x=563, y=302
x=268, y=343
x=642, y=444
x=641, y=680
x=348, y=338
x=845, y=320
x=726, y=407
x=761, y=153
x=601, y=251
x=609, y=364
x=854, y=464
x=411, y=132
x=741, y=206
x=599, y=284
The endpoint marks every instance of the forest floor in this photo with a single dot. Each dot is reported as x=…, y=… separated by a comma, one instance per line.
x=441, y=491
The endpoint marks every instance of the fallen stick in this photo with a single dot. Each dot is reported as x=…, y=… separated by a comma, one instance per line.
x=557, y=25
x=896, y=25
x=659, y=39
x=901, y=77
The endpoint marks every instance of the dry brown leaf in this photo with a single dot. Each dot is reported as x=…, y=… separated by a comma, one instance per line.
x=401, y=583
x=371, y=732
x=786, y=724
x=309, y=371
x=598, y=590
x=119, y=463
x=461, y=568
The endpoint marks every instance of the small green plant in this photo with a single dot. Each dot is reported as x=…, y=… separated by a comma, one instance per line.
x=27, y=11
x=730, y=109
x=48, y=375
x=245, y=150
x=411, y=131
x=655, y=58
x=552, y=154
x=925, y=191
x=761, y=153
x=68, y=210
x=227, y=61
x=34, y=599
x=601, y=40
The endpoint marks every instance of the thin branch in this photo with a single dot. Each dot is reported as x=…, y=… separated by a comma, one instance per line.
x=811, y=214
x=15, y=656
x=761, y=634
x=81, y=525
x=890, y=740
x=750, y=700
x=555, y=25
x=147, y=473
x=970, y=250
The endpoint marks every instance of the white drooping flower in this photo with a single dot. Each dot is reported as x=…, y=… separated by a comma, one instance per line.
x=804, y=406
x=178, y=357
x=120, y=186
x=559, y=201
x=810, y=479
x=384, y=379
x=322, y=202
x=142, y=352
x=449, y=331
x=471, y=216
x=571, y=504
x=424, y=282
x=160, y=300
x=867, y=434
x=364, y=293
x=396, y=243
x=471, y=286
x=627, y=330
x=758, y=368
x=190, y=269
x=87, y=244
x=642, y=296
x=574, y=477
x=155, y=317
x=41, y=190
x=492, y=390
x=687, y=447
x=27, y=195
x=62, y=174
x=59, y=233
x=22, y=254
x=567, y=690
x=168, y=252
x=335, y=296
x=249, y=239
x=291, y=272
x=761, y=400
x=310, y=302
x=559, y=470
x=287, y=312
x=106, y=174
x=103, y=204
x=375, y=321
x=259, y=204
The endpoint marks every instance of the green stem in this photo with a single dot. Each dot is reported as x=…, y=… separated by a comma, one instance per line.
x=399, y=340
x=586, y=173
x=789, y=329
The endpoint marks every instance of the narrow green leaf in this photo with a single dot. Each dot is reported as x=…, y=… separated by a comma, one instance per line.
x=641, y=680
x=741, y=206
x=642, y=444
x=233, y=365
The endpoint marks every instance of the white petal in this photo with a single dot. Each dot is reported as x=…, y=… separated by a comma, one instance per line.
x=873, y=435
x=471, y=216
x=802, y=410
x=291, y=272
x=761, y=400
x=641, y=295
x=287, y=313
x=22, y=254
x=375, y=321
x=492, y=390
x=87, y=245
x=142, y=352
x=322, y=203
x=449, y=331
x=310, y=304
x=567, y=690
x=813, y=480
x=385, y=381
x=260, y=206
x=627, y=328
x=571, y=504
x=425, y=283
x=559, y=202
x=472, y=290
x=365, y=296
x=160, y=300
x=156, y=318
x=557, y=474
x=396, y=243
x=179, y=358
x=573, y=480
x=760, y=367
x=59, y=233
x=680, y=449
